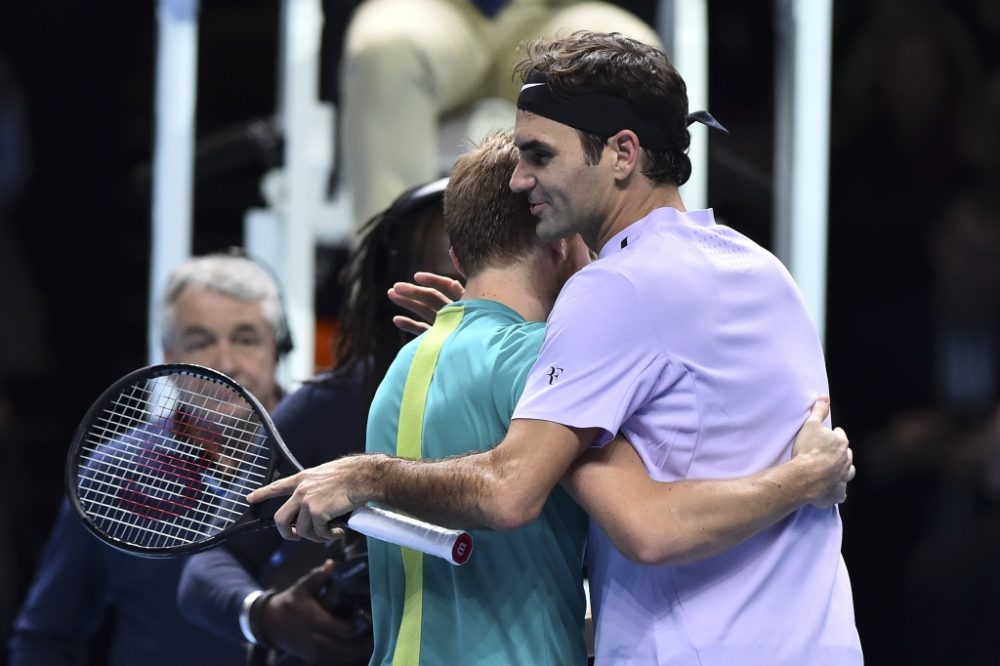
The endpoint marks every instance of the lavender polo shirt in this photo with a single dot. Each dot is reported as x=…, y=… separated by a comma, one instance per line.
x=695, y=343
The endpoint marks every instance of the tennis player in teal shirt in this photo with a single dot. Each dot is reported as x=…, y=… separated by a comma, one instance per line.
x=519, y=599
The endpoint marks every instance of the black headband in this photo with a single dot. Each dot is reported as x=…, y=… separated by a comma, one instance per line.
x=598, y=113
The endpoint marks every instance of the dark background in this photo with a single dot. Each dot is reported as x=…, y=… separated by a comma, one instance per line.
x=916, y=119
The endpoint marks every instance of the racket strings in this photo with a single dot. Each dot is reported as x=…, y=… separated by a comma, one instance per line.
x=187, y=530
x=109, y=426
x=114, y=467
x=169, y=461
x=147, y=474
x=115, y=422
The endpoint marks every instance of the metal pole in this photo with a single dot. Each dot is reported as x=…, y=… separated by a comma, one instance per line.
x=173, y=166
x=683, y=28
x=802, y=150
x=306, y=126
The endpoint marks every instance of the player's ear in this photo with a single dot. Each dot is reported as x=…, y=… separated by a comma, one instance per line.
x=455, y=262
x=625, y=145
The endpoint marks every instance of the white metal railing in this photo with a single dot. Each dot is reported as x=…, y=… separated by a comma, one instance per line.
x=802, y=145
x=173, y=151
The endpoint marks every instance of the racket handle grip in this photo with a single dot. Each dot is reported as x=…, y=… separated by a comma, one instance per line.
x=455, y=546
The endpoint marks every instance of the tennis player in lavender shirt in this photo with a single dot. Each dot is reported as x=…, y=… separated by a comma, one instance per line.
x=684, y=336
x=717, y=345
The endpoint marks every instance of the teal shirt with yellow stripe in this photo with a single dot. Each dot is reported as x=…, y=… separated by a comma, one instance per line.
x=519, y=599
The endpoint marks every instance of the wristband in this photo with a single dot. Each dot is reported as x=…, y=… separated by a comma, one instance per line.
x=245, y=627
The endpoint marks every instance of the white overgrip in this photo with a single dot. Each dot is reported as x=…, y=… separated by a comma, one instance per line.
x=455, y=546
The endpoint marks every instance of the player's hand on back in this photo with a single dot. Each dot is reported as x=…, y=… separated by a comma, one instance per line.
x=829, y=455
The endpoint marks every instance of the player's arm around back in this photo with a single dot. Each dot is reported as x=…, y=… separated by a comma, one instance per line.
x=684, y=521
x=526, y=466
x=502, y=488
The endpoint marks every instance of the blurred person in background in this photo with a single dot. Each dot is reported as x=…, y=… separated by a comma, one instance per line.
x=949, y=604
x=904, y=77
x=930, y=358
x=913, y=153
x=407, y=63
x=223, y=311
x=293, y=601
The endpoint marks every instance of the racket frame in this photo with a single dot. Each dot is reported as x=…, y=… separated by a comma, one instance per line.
x=454, y=546
x=252, y=519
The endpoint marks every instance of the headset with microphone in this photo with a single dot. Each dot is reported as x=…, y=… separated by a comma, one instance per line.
x=282, y=334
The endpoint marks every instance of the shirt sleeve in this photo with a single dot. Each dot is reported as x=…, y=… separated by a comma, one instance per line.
x=66, y=601
x=600, y=360
x=211, y=590
x=515, y=355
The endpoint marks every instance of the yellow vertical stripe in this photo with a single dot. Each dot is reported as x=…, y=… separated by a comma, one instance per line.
x=407, y=652
x=409, y=440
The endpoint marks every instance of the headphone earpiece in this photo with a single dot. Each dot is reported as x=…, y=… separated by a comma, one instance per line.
x=417, y=197
x=283, y=334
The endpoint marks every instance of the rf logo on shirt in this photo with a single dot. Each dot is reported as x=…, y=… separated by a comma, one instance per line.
x=553, y=373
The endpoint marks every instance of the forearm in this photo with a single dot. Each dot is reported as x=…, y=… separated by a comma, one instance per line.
x=684, y=521
x=709, y=517
x=501, y=489
x=464, y=491
x=211, y=591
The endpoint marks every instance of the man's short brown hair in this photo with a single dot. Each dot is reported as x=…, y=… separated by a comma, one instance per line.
x=487, y=223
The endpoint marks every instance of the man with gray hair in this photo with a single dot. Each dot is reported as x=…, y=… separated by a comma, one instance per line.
x=223, y=311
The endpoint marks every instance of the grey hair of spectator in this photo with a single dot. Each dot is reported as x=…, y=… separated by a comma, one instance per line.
x=229, y=274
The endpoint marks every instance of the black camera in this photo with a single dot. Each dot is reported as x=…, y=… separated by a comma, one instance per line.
x=347, y=595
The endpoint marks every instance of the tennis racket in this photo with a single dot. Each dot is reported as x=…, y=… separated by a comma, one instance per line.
x=163, y=461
